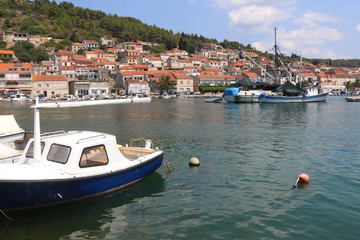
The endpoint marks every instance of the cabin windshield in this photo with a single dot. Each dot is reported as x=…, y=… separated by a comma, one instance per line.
x=30, y=151
x=59, y=153
x=94, y=156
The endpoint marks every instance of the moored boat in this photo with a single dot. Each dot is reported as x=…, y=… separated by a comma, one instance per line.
x=353, y=99
x=64, y=166
x=237, y=95
x=289, y=93
x=213, y=100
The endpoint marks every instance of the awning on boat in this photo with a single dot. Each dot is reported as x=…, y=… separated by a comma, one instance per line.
x=288, y=87
x=9, y=125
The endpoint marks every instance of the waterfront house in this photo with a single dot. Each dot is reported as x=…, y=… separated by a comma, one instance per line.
x=15, y=78
x=184, y=83
x=337, y=82
x=135, y=86
x=213, y=79
x=49, y=85
x=122, y=76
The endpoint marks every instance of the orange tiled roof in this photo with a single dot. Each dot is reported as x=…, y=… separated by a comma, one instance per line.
x=15, y=67
x=49, y=78
x=6, y=52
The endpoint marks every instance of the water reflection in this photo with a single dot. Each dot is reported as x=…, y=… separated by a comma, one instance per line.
x=100, y=217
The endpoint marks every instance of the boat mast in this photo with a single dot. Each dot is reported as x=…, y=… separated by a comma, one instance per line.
x=264, y=70
x=276, y=57
x=300, y=70
x=37, y=143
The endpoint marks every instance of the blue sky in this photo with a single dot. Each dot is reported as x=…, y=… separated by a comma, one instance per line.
x=314, y=29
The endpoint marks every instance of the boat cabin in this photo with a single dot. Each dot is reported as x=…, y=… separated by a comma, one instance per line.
x=77, y=152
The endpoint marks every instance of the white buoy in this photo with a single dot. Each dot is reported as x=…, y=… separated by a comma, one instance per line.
x=194, y=162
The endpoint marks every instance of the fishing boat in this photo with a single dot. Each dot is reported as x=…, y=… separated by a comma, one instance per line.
x=9, y=129
x=61, y=166
x=289, y=93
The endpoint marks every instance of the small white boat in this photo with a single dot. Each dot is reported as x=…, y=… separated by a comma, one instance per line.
x=213, y=100
x=9, y=129
x=353, y=99
x=64, y=166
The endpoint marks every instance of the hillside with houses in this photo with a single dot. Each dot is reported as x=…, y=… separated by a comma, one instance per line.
x=108, y=67
x=125, y=68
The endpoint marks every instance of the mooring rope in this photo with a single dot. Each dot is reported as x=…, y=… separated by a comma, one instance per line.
x=266, y=214
x=168, y=165
x=5, y=215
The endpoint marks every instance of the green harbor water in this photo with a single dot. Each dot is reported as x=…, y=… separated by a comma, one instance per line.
x=250, y=155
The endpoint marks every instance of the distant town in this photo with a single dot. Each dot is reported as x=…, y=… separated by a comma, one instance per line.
x=102, y=69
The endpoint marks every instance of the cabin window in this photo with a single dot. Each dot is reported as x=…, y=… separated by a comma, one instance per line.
x=59, y=153
x=30, y=151
x=94, y=156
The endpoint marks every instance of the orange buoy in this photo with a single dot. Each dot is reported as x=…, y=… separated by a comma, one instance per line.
x=304, y=178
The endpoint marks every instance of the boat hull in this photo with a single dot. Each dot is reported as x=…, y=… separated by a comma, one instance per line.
x=296, y=99
x=16, y=195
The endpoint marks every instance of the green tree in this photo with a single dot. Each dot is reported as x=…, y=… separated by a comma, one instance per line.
x=3, y=45
x=39, y=55
x=166, y=83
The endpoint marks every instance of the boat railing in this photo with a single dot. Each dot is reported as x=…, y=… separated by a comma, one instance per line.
x=10, y=159
x=147, y=143
x=52, y=133
x=90, y=138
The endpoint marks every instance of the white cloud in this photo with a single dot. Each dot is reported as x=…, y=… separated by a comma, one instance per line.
x=256, y=18
x=255, y=15
x=358, y=27
x=234, y=4
x=311, y=19
x=315, y=52
x=309, y=41
x=306, y=37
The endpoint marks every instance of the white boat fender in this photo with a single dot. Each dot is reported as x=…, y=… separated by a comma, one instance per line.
x=194, y=162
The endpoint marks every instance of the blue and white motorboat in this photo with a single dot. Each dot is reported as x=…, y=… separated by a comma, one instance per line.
x=64, y=166
x=238, y=95
x=289, y=93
